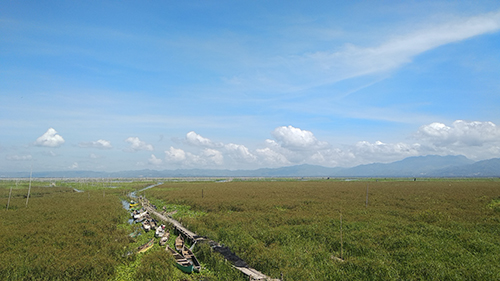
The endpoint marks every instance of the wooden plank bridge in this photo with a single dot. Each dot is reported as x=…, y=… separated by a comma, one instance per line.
x=237, y=262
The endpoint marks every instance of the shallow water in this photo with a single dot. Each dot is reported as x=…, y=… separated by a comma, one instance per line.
x=125, y=204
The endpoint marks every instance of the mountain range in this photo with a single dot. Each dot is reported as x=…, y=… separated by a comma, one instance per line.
x=419, y=166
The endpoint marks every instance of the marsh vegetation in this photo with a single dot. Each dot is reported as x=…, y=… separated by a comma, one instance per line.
x=423, y=230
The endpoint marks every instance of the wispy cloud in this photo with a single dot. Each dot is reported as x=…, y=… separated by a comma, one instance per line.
x=292, y=72
x=99, y=144
x=19, y=157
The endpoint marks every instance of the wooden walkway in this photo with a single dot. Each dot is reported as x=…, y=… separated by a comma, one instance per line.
x=239, y=264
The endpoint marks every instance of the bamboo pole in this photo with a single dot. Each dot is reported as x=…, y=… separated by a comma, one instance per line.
x=29, y=188
x=366, y=204
x=10, y=193
x=341, y=239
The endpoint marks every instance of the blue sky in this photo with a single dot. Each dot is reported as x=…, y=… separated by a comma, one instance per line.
x=126, y=85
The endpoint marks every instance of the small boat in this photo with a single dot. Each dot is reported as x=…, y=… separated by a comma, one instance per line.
x=164, y=238
x=179, y=243
x=140, y=220
x=160, y=231
x=135, y=233
x=147, y=246
x=133, y=204
x=188, y=254
x=181, y=262
x=146, y=225
x=140, y=214
x=153, y=224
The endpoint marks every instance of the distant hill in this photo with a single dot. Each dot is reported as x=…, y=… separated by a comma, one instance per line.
x=420, y=166
x=409, y=167
x=485, y=168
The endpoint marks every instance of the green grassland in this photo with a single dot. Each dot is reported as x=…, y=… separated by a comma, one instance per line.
x=423, y=230
x=66, y=235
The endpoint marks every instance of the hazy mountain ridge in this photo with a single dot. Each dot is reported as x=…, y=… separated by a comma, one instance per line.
x=420, y=166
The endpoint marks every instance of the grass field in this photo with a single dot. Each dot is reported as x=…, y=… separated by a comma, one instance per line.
x=423, y=230
x=67, y=235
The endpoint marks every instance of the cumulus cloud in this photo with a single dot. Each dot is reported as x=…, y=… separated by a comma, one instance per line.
x=212, y=156
x=73, y=166
x=49, y=139
x=100, y=144
x=460, y=133
x=194, y=139
x=136, y=144
x=367, y=152
x=292, y=146
x=19, y=157
x=297, y=139
x=207, y=157
x=271, y=157
x=154, y=161
x=175, y=155
x=239, y=152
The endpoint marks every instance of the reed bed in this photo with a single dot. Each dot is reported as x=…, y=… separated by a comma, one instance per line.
x=423, y=230
x=60, y=235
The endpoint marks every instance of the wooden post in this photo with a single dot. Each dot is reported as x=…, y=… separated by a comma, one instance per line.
x=10, y=193
x=366, y=204
x=29, y=188
x=341, y=239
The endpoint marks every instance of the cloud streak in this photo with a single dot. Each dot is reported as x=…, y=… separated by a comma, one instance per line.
x=293, y=72
x=99, y=144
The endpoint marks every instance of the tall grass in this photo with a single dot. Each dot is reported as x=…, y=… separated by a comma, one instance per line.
x=61, y=235
x=431, y=230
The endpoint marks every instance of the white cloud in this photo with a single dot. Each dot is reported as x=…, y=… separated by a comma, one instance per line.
x=333, y=157
x=194, y=139
x=136, y=144
x=207, y=157
x=476, y=140
x=352, y=61
x=49, y=153
x=49, y=139
x=297, y=139
x=271, y=157
x=239, y=152
x=154, y=161
x=19, y=157
x=175, y=155
x=212, y=156
x=366, y=152
x=94, y=156
x=100, y=144
x=74, y=166
x=460, y=133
